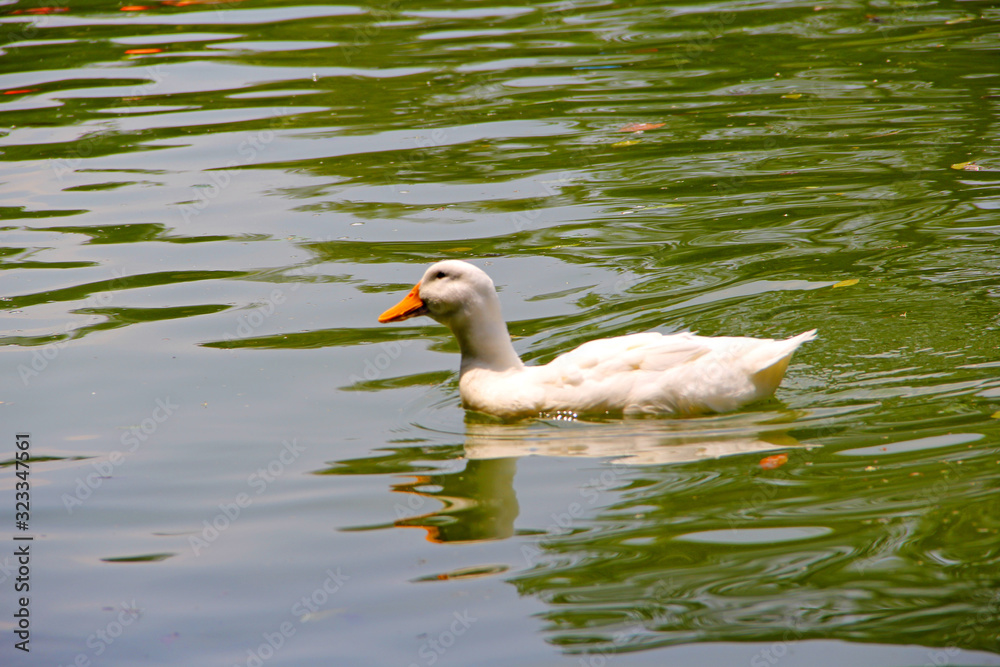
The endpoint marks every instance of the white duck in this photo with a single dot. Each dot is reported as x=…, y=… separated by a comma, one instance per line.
x=644, y=373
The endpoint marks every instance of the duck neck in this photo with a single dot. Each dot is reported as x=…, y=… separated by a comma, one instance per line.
x=485, y=342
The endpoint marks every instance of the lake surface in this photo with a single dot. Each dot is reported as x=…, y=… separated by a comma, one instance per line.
x=205, y=206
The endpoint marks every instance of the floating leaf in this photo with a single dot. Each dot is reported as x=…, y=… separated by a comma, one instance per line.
x=41, y=10
x=643, y=207
x=641, y=127
x=184, y=3
x=995, y=415
x=966, y=166
x=627, y=142
x=773, y=462
x=791, y=96
x=134, y=52
x=144, y=558
x=848, y=282
x=964, y=19
x=465, y=573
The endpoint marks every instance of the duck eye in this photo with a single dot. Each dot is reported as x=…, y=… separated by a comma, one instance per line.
x=440, y=274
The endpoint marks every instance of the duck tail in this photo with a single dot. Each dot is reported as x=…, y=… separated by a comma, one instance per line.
x=772, y=361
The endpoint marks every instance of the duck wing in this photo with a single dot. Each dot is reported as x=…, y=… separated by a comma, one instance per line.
x=603, y=375
x=648, y=351
x=655, y=373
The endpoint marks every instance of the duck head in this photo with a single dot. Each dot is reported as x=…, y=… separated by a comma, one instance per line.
x=450, y=292
x=463, y=298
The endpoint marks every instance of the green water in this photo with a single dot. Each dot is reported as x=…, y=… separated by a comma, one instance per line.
x=206, y=206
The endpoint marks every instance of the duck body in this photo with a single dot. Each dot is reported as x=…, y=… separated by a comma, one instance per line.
x=643, y=373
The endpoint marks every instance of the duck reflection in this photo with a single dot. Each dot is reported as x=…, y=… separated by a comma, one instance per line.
x=479, y=502
x=631, y=443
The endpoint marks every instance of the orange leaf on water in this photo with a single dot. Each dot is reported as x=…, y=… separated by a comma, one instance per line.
x=640, y=127
x=133, y=52
x=184, y=3
x=772, y=462
x=41, y=10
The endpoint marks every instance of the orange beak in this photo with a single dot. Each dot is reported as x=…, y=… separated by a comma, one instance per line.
x=411, y=306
